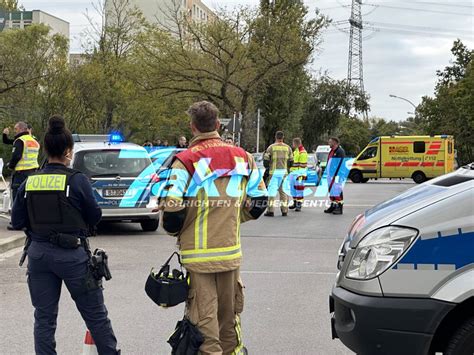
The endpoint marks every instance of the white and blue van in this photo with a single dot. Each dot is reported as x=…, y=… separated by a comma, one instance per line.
x=406, y=273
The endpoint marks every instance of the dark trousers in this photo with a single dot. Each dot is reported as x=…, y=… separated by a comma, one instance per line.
x=17, y=179
x=48, y=267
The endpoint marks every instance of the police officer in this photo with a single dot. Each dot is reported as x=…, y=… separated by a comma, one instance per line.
x=217, y=186
x=298, y=174
x=277, y=159
x=56, y=206
x=24, y=160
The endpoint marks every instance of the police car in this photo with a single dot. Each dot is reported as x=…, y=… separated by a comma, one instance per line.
x=121, y=175
x=406, y=273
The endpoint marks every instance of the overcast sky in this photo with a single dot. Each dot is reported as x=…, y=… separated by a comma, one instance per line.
x=413, y=40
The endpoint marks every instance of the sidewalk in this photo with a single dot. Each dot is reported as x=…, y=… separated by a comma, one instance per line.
x=9, y=239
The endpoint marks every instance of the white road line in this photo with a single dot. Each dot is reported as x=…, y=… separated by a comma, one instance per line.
x=5, y=216
x=289, y=272
x=351, y=205
x=10, y=253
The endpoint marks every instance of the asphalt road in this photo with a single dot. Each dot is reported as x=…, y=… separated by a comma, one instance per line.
x=289, y=268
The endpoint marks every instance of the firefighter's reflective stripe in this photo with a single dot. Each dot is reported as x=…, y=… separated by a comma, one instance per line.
x=239, y=349
x=46, y=182
x=29, y=157
x=200, y=224
x=212, y=254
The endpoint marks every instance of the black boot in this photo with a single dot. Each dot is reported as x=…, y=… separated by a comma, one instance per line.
x=338, y=209
x=269, y=214
x=293, y=205
x=331, y=208
x=298, y=206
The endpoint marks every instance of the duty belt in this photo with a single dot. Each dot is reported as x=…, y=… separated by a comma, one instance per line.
x=67, y=241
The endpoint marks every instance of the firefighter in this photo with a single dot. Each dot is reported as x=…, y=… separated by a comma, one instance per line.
x=277, y=159
x=298, y=174
x=216, y=186
x=333, y=167
x=56, y=205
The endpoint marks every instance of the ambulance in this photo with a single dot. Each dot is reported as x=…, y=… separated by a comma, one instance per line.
x=405, y=283
x=417, y=157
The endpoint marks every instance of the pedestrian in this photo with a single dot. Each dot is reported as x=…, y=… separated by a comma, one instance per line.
x=277, y=159
x=182, y=142
x=229, y=140
x=298, y=174
x=157, y=143
x=56, y=205
x=208, y=228
x=335, y=160
x=24, y=160
x=165, y=143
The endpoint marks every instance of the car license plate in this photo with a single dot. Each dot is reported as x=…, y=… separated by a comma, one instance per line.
x=114, y=192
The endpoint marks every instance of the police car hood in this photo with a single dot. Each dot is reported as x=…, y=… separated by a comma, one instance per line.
x=412, y=200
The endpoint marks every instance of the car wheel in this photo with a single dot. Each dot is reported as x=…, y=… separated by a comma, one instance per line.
x=462, y=342
x=364, y=180
x=418, y=177
x=356, y=176
x=149, y=225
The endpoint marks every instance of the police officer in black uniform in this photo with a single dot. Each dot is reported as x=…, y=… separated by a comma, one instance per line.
x=56, y=206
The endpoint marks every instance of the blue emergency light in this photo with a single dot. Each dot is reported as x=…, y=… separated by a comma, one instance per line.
x=116, y=137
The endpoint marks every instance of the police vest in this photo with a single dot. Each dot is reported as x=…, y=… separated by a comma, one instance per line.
x=29, y=156
x=300, y=160
x=49, y=209
x=224, y=248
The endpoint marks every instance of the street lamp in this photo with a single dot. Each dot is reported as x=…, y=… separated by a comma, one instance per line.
x=402, y=98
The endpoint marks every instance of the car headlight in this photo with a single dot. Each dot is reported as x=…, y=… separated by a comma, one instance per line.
x=379, y=250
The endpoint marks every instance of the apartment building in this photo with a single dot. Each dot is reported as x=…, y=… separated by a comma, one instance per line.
x=23, y=19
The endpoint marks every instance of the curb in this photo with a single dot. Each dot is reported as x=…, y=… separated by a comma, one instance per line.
x=15, y=241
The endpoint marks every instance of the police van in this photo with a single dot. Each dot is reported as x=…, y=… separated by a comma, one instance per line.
x=406, y=272
x=121, y=175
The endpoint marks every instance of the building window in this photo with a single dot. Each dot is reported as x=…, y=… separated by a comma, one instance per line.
x=419, y=147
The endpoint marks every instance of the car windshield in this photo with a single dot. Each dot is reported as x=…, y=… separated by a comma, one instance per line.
x=322, y=156
x=120, y=162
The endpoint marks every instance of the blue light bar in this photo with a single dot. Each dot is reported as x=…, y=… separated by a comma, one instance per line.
x=116, y=137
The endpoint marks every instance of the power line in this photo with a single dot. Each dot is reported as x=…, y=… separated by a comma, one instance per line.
x=422, y=28
x=420, y=10
x=438, y=3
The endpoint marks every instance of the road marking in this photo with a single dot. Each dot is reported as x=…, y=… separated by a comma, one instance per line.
x=5, y=216
x=350, y=205
x=289, y=272
x=10, y=253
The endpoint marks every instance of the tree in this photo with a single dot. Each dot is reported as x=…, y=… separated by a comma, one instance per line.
x=328, y=100
x=28, y=56
x=451, y=110
x=230, y=59
x=9, y=5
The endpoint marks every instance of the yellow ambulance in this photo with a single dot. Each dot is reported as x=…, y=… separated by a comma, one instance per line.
x=416, y=157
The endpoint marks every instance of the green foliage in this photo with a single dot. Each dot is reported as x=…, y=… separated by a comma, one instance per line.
x=451, y=110
x=9, y=5
x=329, y=100
x=353, y=133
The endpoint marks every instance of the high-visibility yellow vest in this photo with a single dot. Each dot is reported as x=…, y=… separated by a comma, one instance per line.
x=300, y=160
x=29, y=157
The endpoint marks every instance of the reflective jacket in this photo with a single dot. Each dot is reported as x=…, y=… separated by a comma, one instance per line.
x=278, y=155
x=212, y=181
x=300, y=160
x=29, y=157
